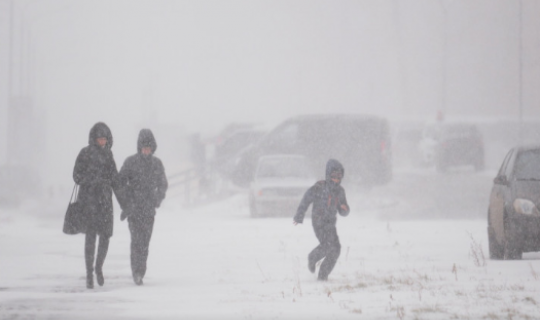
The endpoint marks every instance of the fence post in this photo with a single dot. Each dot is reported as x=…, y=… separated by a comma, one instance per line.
x=187, y=188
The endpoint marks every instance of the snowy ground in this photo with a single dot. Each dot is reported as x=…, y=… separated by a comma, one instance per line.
x=403, y=257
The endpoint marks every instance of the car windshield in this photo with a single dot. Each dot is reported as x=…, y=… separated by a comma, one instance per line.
x=528, y=165
x=431, y=132
x=283, y=168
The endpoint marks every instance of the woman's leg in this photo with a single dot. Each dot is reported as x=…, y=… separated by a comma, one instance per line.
x=134, y=223
x=140, y=228
x=145, y=236
x=89, y=251
x=103, y=248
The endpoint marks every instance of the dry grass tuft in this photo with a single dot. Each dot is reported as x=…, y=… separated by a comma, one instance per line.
x=400, y=312
x=429, y=309
x=513, y=313
x=530, y=300
x=477, y=253
x=454, y=270
x=348, y=287
x=533, y=272
x=491, y=316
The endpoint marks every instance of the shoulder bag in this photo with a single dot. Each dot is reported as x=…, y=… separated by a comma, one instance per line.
x=74, y=221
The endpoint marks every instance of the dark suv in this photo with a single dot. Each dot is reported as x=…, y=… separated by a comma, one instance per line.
x=513, y=215
x=362, y=143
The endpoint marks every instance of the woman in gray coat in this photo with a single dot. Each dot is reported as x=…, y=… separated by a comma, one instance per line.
x=145, y=186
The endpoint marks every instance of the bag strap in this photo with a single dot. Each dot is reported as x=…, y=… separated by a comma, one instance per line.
x=74, y=192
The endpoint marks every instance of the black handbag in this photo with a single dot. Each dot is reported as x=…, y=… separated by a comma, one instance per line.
x=74, y=221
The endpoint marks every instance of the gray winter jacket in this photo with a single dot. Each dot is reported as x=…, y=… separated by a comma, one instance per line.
x=326, y=197
x=144, y=180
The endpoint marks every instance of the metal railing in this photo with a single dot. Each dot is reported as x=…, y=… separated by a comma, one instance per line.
x=198, y=184
x=186, y=182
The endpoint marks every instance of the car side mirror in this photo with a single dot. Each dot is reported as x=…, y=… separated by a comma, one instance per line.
x=500, y=180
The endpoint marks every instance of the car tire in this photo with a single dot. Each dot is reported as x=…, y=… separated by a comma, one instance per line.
x=496, y=251
x=511, y=248
x=479, y=165
x=511, y=252
x=440, y=167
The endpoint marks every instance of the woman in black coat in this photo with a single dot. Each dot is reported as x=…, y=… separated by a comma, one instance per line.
x=96, y=174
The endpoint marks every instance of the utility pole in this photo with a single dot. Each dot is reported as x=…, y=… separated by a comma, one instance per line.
x=445, y=62
x=441, y=113
x=20, y=121
x=10, y=82
x=520, y=71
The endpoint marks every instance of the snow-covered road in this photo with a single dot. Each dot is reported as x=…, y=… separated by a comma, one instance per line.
x=214, y=262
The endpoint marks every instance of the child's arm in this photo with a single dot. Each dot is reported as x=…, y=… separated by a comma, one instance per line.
x=343, y=207
x=307, y=199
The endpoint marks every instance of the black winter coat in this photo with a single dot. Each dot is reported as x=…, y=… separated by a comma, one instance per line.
x=144, y=179
x=96, y=174
x=326, y=197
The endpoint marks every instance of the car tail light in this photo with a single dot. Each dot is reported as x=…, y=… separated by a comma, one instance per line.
x=479, y=141
x=383, y=148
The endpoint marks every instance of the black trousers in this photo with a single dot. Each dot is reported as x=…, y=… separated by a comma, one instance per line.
x=329, y=249
x=90, y=250
x=140, y=227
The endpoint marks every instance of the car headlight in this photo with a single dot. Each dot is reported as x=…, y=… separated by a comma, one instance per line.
x=525, y=206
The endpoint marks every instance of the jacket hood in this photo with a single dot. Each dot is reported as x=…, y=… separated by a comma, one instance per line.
x=146, y=139
x=100, y=130
x=331, y=166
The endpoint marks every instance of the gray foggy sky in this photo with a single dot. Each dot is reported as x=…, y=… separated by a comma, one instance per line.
x=204, y=64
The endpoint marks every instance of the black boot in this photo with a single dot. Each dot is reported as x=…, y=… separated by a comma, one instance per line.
x=100, y=259
x=311, y=266
x=89, y=248
x=322, y=278
x=137, y=278
x=90, y=280
x=99, y=277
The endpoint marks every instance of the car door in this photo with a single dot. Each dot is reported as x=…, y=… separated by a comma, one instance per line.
x=428, y=143
x=498, y=192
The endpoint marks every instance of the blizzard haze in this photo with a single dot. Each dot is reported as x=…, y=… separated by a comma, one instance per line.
x=202, y=65
x=415, y=244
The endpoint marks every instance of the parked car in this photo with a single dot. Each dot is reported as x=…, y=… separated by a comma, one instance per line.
x=361, y=143
x=232, y=140
x=280, y=182
x=236, y=141
x=452, y=144
x=514, y=205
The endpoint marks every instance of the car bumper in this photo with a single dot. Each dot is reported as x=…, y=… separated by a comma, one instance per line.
x=278, y=206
